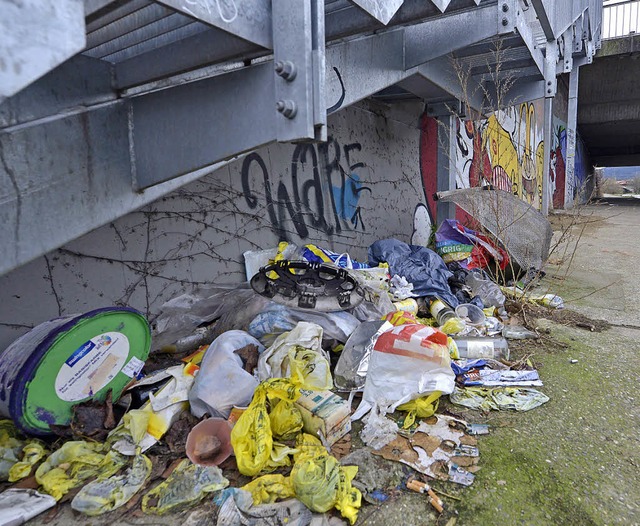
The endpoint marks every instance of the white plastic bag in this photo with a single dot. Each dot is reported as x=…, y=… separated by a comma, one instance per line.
x=287, y=357
x=407, y=362
x=221, y=382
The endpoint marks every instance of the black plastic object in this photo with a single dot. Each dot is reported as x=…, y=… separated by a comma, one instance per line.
x=307, y=285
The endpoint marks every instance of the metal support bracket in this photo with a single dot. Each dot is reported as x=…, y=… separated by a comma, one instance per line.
x=507, y=16
x=298, y=48
x=567, y=50
x=550, y=61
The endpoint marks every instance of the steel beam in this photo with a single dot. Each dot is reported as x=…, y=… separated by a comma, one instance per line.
x=545, y=16
x=78, y=83
x=179, y=130
x=37, y=36
x=433, y=38
x=208, y=47
x=381, y=10
x=249, y=19
x=444, y=73
x=526, y=33
x=350, y=79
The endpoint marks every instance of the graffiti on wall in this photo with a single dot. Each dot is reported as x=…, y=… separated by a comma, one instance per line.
x=323, y=191
x=565, y=187
x=557, y=164
x=505, y=150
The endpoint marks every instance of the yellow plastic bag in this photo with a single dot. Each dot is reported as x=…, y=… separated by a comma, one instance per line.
x=269, y=488
x=10, y=447
x=32, y=453
x=420, y=407
x=107, y=494
x=286, y=420
x=453, y=326
x=321, y=483
x=187, y=484
x=310, y=369
x=348, y=498
x=74, y=463
x=251, y=437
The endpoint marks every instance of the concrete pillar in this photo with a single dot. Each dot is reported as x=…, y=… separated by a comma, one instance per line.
x=446, y=164
x=572, y=121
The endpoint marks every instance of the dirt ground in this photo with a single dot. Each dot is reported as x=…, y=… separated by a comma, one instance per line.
x=573, y=461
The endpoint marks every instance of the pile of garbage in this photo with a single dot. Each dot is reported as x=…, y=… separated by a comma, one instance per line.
x=261, y=383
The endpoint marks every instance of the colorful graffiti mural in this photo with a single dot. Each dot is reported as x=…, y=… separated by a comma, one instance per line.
x=505, y=150
x=567, y=189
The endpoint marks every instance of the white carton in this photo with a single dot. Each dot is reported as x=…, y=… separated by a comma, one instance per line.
x=324, y=413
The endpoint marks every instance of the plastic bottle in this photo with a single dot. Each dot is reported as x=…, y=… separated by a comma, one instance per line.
x=441, y=311
x=492, y=348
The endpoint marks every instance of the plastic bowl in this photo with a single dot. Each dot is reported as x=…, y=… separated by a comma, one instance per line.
x=211, y=427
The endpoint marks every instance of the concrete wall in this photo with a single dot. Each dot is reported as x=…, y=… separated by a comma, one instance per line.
x=364, y=184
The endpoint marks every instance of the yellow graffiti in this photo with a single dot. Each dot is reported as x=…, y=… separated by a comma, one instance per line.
x=513, y=143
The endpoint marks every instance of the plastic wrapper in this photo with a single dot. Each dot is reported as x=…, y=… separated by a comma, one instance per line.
x=407, y=362
x=500, y=398
x=234, y=306
x=489, y=292
x=17, y=506
x=351, y=370
x=401, y=289
x=276, y=319
x=401, y=318
x=75, y=462
x=298, y=354
x=315, y=254
x=254, y=259
x=9, y=452
x=455, y=242
x=143, y=428
x=419, y=265
x=378, y=430
x=237, y=509
x=107, y=494
x=222, y=382
x=187, y=484
x=251, y=436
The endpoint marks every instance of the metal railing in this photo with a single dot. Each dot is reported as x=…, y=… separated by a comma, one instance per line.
x=620, y=18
